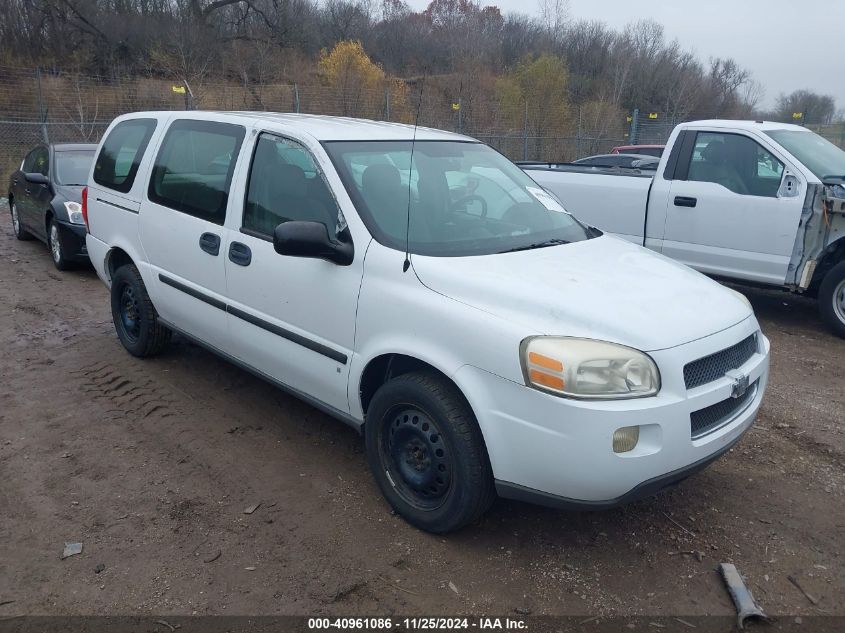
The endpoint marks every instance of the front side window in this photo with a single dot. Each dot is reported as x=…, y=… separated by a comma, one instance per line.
x=72, y=166
x=121, y=154
x=194, y=167
x=736, y=162
x=451, y=198
x=286, y=184
x=37, y=161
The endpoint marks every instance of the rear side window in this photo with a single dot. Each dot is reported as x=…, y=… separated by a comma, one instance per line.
x=121, y=154
x=194, y=167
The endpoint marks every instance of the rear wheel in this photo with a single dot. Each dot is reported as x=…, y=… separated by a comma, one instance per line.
x=832, y=299
x=135, y=318
x=20, y=232
x=54, y=241
x=427, y=453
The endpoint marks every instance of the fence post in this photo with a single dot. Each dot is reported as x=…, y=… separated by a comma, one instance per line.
x=635, y=127
x=296, y=97
x=42, y=113
x=578, y=138
x=189, y=96
x=460, y=115
x=387, y=103
x=525, y=134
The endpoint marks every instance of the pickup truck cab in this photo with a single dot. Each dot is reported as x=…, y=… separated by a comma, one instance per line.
x=747, y=201
x=420, y=287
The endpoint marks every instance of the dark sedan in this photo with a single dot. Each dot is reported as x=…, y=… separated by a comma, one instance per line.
x=45, y=198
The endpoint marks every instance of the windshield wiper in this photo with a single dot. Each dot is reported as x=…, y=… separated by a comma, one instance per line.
x=543, y=244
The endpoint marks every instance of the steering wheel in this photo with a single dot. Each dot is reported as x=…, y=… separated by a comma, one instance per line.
x=466, y=199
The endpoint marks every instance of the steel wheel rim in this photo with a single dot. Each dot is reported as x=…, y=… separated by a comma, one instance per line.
x=16, y=223
x=416, y=458
x=55, y=243
x=129, y=321
x=839, y=301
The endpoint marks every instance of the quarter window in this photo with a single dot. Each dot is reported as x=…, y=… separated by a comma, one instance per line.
x=286, y=184
x=121, y=154
x=736, y=162
x=194, y=167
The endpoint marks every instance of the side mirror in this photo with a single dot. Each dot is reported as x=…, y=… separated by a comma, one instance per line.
x=36, y=178
x=311, y=239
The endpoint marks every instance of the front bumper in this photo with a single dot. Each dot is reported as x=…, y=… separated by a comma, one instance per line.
x=558, y=451
x=73, y=240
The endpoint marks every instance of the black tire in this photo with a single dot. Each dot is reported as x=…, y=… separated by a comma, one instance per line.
x=17, y=227
x=135, y=318
x=832, y=299
x=443, y=480
x=56, y=246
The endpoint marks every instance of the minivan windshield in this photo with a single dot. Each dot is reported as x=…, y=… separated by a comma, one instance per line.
x=819, y=155
x=465, y=198
x=72, y=166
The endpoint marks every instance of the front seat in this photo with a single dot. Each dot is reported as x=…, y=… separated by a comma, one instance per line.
x=381, y=186
x=718, y=166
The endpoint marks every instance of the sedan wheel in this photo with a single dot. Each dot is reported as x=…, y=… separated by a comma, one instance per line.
x=55, y=243
x=20, y=232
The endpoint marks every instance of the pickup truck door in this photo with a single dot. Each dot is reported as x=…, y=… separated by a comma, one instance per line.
x=733, y=208
x=182, y=226
x=291, y=318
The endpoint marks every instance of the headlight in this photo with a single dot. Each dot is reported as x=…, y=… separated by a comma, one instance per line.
x=587, y=369
x=74, y=212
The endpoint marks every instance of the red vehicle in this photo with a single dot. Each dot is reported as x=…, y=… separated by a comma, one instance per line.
x=650, y=150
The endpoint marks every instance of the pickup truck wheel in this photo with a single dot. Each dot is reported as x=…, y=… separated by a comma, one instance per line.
x=135, y=318
x=20, y=232
x=427, y=453
x=832, y=299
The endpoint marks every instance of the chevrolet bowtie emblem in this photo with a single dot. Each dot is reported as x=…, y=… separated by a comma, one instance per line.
x=740, y=383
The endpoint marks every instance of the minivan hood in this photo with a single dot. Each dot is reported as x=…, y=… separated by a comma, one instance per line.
x=604, y=288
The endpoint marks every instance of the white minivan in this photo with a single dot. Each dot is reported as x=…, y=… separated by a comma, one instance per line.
x=419, y=286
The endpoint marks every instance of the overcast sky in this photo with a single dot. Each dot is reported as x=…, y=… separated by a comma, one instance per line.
x=787, y=44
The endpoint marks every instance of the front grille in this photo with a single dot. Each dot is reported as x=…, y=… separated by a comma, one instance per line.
x=700, y=372
x=716, y=416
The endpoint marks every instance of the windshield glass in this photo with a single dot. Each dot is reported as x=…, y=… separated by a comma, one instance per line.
x=819, y=155
x=466, y=198
x=72, y=167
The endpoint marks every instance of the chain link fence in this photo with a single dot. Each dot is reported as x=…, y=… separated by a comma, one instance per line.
x=38, y=105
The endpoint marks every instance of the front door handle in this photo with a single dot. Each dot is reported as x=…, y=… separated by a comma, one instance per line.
x=685, y=201
x=210, y=243
x=240, y=254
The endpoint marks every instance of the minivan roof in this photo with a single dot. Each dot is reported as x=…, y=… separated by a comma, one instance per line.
x=320, y=127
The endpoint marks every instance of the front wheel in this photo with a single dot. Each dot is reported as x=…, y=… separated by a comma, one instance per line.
x=832, y=299
x=57, y=250
x=135, y=318
x=427, y=454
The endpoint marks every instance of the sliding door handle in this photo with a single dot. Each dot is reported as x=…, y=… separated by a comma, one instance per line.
x=210, y=243
x=685, y=201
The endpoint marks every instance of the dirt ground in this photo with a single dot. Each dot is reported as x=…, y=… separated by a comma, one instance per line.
x=150, y=464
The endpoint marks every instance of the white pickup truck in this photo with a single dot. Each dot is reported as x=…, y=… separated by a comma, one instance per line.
x=749, y=201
